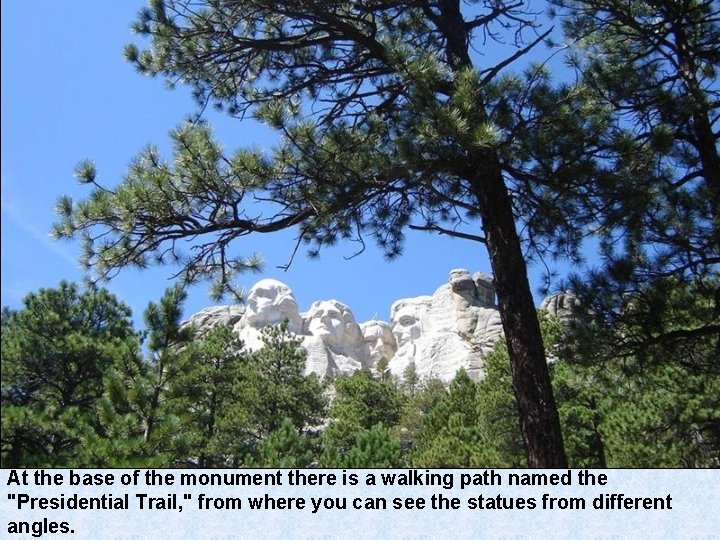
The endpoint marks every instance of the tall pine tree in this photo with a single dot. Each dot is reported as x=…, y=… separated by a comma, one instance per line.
x=55, y=352
x=388, y=121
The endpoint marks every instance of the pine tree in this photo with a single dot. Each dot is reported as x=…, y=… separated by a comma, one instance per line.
x=421, y=399
x=584, y=394
x=653, y=66
x=139, y=427
x=286, y=448
x=387, y=122
x=375, y=448
x=642, y=399
x=360, y=403
x=270, y=392
x=449, y=436
x=499, y=433
x=55, y=352
x=201, y=393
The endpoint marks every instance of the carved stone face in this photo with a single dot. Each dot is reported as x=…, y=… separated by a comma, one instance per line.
x=334, y=323
x=406, y=324
x=379, y=341
x=271, y=302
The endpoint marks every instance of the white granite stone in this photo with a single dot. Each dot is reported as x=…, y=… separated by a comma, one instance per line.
x=379, y=341
x=563, y=305
x=269, y=302
x=213, y=316
x=333, y=339
x=452, y=329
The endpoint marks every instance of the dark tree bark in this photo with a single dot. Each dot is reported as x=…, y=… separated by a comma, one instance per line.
x=539, y=418
x=416, y=104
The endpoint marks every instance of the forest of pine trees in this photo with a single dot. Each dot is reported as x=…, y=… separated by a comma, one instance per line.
x=583, y=132
x=82, y=388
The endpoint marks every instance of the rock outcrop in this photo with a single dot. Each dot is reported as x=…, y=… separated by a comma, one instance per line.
x=210, y=317
x=380, y=343
x=333, y=339
x=563, y=305
x=328, y=330
x=269, y=302
x=453, y=328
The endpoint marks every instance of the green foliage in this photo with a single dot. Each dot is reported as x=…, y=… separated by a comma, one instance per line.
x=476, y=425
x=285, y=448
x=668, y=417
x=201, y=394
x=269, y=392
x=421, y=399
x=375, y=448
x=55, y=351
x=204, y=401
x=410, y=381
x=76, y=390
x=449, y=436
x=656, y=409
x=500, y=437
x=662, y=416
x=583, y=394
x=386, y=122
x=137, y=424
x=360, y=403
x=652, y=65
x=646, y=391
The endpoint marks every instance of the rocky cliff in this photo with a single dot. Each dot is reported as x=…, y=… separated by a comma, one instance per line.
x=453, y=328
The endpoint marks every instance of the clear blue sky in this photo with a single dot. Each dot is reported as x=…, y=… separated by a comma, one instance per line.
x=68, y=94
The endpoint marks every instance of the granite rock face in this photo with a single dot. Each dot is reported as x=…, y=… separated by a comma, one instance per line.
x=563, y=305
x=269, y=302
x=333, y=339
x=328, y=330
x=453, y=328
x=210, y=317
x=380, y=343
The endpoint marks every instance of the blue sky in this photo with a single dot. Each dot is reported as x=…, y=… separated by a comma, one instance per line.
x=68, y=94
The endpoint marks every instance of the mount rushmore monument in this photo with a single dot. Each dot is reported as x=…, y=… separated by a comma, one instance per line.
x=453, y=328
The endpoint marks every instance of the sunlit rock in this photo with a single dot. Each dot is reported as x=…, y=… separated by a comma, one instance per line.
x=454, y=328
x=210, y=317
x=333, y=339
x=380, y=344
x=563, y=305
x=269, y=302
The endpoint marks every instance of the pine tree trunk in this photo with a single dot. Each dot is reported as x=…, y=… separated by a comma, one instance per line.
x=539, y=419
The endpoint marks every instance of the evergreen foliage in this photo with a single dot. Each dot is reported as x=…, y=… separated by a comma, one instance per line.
x=285, y=448
x=653, y=67
x=387, y=122
x=202, y=400
x=137, y=425
x=391, y=118
x=361, y=402
x=55, y=352
x=270, y=393
x=376, y=448
x=654, y=385
x=449, y=435
x=422, y=397
x=202, y=392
